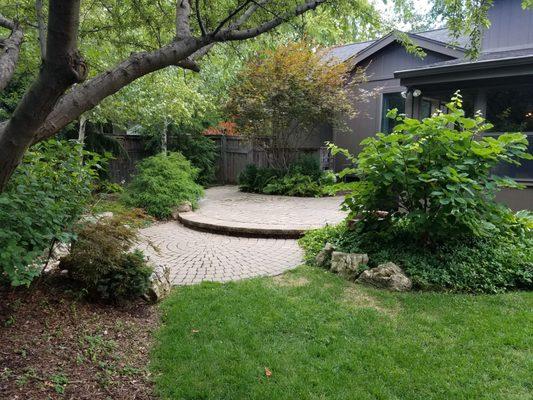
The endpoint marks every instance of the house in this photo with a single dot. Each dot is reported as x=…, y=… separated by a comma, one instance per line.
x=499, y=83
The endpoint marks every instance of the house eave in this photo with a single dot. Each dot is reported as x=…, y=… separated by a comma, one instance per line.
x=464, y=67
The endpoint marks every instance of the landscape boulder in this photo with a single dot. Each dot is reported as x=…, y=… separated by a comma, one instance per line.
x=387, y=276
x=323, y=258
x=182, y=208
x=160, y=284
x=348, y=265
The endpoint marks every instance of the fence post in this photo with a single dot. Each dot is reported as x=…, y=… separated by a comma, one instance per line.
x=223, y=159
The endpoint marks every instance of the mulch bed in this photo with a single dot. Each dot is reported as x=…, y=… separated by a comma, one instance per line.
x=55, y=345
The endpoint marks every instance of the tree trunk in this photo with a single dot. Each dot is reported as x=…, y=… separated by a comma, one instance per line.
x=164, y=137
x=63, y=67
x=81, y=130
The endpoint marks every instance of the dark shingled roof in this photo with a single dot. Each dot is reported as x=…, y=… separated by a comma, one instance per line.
x=488, y=56
x=347, y=51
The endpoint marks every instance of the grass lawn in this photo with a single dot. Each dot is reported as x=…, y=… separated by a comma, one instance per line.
x=321, y=337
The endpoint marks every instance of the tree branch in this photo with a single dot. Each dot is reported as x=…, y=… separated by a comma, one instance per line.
x=85, y=97
x=183, y=13
x=230, y=16
x=233, y=34
x=9, y=51
x=249, y=12
x=199, y=18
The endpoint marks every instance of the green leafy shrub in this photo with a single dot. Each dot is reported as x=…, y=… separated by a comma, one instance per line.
x=304, y=178
x=307, y=165
x=163, y=182
x=294, y=184
x=314, y=240
x=425, y=200
x=46, y=195
x=465, y=264
x=254, y=179
x=101, y=262
x=436, y=174
x=199, y=150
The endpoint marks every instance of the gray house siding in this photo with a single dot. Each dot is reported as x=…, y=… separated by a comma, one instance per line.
x=511, y=27
x=379, y=71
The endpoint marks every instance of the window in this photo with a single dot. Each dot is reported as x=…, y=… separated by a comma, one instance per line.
x=425, y=109
x=511, y=109
x=390, y=101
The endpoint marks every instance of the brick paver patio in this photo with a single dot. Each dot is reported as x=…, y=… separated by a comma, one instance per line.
x=196, y=256
x=226, y=209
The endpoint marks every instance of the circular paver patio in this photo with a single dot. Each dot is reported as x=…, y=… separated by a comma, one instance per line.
x=195, y=256
x=226, y=210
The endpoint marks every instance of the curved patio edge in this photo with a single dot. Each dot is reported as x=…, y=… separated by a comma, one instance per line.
x=194, y=221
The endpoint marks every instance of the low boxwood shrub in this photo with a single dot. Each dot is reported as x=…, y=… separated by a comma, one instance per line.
x=101, y=261
x=46, y=195
x=163, y=182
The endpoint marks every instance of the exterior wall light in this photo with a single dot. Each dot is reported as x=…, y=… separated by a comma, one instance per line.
x=417, y=92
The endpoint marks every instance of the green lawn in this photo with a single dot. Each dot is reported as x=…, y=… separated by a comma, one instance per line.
x=325, y=338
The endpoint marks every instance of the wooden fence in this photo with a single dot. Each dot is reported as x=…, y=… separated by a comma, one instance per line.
x=235, y=153
x=122, y=168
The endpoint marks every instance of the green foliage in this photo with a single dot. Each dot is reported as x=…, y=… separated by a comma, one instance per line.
x=308, y=165
x=463, y=264
x=47, y=194
x=199, y=150
x=100, y=261
x=294, y=184
x=163, y=182
x=425, y=200
x=254, y=179
x=284, y=95
x=303, y=178
x=435, y=176
x=314, y=240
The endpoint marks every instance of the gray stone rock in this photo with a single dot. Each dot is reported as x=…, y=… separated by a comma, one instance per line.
x=182, y=208
x=161, y=284
x=348, y=265
x=323, y=258
x=388, y=276
x=105, y=215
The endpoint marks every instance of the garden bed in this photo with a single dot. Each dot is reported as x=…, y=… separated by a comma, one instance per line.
x=55, y=346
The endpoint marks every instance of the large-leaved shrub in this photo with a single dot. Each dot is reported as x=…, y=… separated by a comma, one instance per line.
x=425, y=200
x=163, y=182
x=45, y=196
x=436, y=175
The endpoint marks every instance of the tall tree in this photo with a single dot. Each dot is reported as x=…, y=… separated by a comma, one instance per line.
x=60, y=93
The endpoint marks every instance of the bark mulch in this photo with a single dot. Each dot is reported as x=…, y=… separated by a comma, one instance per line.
x=55, y=345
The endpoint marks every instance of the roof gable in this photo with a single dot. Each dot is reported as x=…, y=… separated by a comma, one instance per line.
x=438, y=40
x=420, y=41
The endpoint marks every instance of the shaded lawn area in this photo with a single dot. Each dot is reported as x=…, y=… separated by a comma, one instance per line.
x=324, y=338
